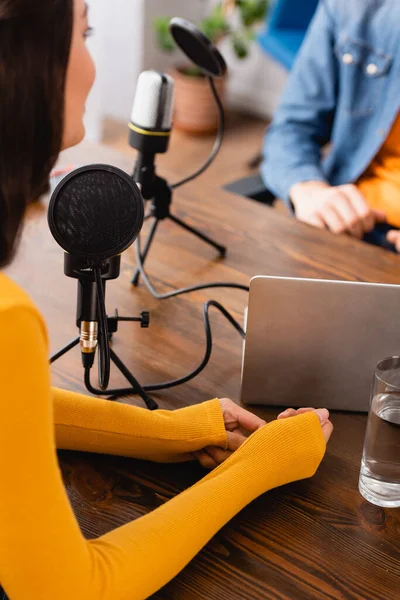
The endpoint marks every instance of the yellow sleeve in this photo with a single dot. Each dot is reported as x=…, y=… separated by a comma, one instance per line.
x=43, y=554
x=92, y=425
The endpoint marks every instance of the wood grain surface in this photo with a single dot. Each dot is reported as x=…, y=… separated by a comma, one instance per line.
x=313, y=540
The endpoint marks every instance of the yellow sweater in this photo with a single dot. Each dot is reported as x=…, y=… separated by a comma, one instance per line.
x=43, y=555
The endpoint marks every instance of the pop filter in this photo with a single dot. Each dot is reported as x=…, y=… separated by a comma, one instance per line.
x=96, y=212
x=197, y=47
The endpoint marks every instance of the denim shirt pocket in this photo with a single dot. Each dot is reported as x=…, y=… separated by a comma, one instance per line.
x=362, y=76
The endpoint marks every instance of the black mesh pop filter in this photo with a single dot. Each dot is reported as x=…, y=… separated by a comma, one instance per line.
x=197, y=47
x=96, y=212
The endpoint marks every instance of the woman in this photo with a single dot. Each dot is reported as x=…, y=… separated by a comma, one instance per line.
x=45, y=73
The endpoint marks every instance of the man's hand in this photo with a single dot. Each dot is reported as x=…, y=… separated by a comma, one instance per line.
x=239, y=422
x=394, y=238
x=341, y=209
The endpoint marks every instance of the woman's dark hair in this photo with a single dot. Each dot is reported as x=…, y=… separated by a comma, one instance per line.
x=35, y=41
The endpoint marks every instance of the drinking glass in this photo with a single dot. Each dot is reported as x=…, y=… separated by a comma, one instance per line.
x=380, y=467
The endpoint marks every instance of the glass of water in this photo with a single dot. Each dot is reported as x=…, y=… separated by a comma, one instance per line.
x=380, y=468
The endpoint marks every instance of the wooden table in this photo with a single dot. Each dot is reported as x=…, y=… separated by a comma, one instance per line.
x=316, y=539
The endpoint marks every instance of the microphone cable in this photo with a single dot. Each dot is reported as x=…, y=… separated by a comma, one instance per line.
x=180, y=292
x=114, y=394
x=207, y=355
x=104, y=347
x=138, y=388
x=217, y=143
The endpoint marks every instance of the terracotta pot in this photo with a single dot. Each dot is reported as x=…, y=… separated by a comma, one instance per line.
x=195, y=108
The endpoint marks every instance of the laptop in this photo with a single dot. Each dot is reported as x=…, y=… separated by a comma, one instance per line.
x=312, y=342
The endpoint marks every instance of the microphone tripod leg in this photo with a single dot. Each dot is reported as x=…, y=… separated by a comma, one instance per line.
x=150, y=403
x=64, y=350
x=149, y=241
x=221, y=249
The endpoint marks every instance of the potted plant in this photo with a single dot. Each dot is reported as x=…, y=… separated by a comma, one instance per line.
x=195, y=110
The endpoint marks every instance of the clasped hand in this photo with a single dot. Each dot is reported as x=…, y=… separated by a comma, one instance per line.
x=239, y=423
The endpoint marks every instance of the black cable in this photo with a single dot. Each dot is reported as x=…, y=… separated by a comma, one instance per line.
x=104, y=348
x=207, y=328
x=180, y=292
x=170, y=384
x=207, y=355
x=115, y=394
x=218, y=141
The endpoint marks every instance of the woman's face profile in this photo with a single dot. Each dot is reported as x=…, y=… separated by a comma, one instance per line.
x=80, y=78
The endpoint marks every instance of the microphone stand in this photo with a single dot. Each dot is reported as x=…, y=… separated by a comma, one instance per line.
x=159, y=211
x=75, y=268
x=158, y=190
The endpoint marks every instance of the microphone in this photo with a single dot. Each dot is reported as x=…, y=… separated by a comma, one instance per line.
x=150, y=125
x=95, y=213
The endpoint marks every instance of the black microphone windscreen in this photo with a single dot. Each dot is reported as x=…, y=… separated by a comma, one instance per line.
x=197, y=47
x=96, y=212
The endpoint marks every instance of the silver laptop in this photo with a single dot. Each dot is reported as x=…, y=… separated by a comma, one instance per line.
x=315, y=343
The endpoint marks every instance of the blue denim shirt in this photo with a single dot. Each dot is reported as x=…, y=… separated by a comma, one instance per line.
x=344, y=88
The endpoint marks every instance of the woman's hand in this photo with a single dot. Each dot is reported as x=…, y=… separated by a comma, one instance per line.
x=240, y=422
x=323, y=415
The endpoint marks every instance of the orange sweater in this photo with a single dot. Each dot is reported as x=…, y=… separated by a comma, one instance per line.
x=43, y=555
x=380, y=184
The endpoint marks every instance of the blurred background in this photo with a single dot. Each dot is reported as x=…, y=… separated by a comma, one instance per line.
x=129, y=39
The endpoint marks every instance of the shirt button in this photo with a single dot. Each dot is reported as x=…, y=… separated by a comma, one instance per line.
x=348, y=58
x=372, y=69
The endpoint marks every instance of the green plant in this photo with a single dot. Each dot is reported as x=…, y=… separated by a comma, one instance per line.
x=219, y=24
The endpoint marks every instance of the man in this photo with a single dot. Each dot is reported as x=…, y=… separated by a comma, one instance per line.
x=344, y=91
